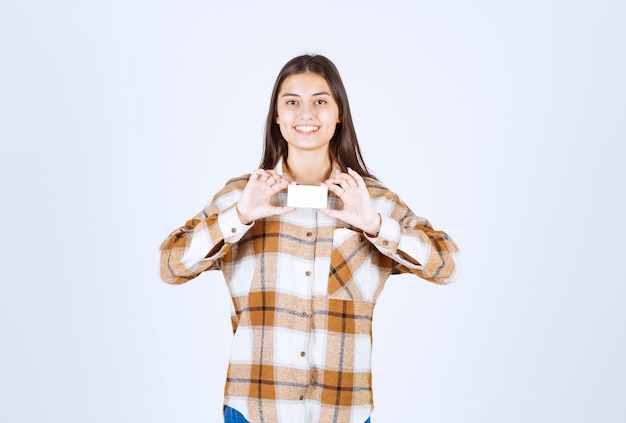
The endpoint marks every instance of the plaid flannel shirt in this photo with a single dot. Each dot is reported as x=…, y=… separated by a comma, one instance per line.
x=303, y=288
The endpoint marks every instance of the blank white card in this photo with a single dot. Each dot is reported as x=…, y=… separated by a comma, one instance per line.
x=307, y=196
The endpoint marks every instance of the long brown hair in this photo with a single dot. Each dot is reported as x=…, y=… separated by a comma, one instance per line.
x=344, y=146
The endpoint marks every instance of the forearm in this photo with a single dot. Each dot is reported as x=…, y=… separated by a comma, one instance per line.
x=419, y=249
x=195, y=247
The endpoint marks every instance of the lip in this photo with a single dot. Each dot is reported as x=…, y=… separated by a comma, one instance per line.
x=306, y=129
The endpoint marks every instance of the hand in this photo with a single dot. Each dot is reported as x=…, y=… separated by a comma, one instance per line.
x=255, y=200
x=358, y=209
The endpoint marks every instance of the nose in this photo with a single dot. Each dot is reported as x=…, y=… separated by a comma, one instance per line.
x=305, y=112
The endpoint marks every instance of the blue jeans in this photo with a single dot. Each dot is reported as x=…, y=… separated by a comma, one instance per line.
x=233, y=416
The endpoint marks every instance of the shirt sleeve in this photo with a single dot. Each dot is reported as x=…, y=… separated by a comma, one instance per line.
x=412, y=242
x=203, y=240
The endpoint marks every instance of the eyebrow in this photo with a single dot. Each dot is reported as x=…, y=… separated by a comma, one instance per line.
x=297, y=95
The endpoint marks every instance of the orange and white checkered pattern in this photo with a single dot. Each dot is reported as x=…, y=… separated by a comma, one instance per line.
x=304, y=287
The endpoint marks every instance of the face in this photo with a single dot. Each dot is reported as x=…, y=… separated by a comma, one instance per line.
x=307, y=112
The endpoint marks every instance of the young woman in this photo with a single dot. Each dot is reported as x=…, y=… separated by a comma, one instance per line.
x=304, y=281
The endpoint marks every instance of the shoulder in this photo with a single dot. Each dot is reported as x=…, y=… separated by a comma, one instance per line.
x=377, y=189
x=237, y=183
x=230, y=192
x=388, y=202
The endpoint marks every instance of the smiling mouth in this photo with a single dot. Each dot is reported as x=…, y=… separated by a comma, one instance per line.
x=307, y=129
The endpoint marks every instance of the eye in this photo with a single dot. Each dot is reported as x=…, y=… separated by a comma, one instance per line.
x=291, y=102
x=321, y=102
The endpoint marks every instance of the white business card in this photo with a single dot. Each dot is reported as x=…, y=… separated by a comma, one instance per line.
x=310, y=196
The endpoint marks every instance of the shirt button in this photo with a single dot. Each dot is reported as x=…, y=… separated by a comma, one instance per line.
x=303, y=314
x=308, y=273
x=301, y=397
x=385, y=243
x=233, y=230
x=302, y=354
x=309, y=234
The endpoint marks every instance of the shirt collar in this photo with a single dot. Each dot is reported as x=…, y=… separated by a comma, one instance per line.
x=281, y=169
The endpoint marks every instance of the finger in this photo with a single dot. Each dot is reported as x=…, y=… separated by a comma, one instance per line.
x=336, y=189
x=260, y=175
x=347, y=179
x=271, y=181
x=357, y=178
x=277, y=177
x=279, y=186
x=282, y=179
x=340, y=182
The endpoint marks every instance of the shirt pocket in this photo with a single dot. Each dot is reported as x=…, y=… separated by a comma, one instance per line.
x=352, y=274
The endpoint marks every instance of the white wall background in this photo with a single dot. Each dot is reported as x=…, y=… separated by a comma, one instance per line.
x=502, y=122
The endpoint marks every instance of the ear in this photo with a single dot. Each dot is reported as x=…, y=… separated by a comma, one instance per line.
x=277, y=120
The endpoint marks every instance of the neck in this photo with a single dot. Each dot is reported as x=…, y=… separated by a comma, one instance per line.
x=309, y=169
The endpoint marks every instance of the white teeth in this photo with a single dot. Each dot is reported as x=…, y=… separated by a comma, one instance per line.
x=307, y=128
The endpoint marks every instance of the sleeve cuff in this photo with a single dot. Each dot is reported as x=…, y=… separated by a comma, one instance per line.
x=230, y=225
x=388, y=236
x=390, y=242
